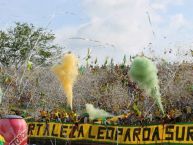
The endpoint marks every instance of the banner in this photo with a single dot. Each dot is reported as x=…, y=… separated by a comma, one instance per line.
x=153, y=134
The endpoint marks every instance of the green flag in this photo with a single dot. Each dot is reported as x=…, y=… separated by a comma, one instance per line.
x=2, y=140
x=1, y=94
x=29, y=65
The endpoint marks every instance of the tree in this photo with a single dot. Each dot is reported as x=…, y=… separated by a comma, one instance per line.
x=25, y=43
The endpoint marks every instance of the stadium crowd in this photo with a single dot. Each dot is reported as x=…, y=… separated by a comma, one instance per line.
x=135, y=109
x=172, y=115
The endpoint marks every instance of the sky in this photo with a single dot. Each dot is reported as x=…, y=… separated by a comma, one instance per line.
x=110, y=28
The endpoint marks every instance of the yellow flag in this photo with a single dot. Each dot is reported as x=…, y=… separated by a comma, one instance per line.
x=29, y=65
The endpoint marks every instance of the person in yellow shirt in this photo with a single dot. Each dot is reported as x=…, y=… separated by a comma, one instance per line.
x=47, y=117
x=57, y=116
x=64, y=116
x=74, y=117
x=43, y=114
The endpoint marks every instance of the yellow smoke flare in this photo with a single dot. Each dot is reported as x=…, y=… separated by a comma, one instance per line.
x=67, y=72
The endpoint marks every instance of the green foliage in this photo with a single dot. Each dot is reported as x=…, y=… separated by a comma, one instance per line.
x=25, y=41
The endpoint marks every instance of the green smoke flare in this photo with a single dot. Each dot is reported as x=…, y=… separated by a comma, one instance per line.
x=96, y=112
x=144, y=73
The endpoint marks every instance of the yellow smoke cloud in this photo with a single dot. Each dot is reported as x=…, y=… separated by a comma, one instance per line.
x=67, y=72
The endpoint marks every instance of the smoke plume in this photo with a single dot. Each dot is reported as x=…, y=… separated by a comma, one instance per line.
x=67, y=72
x=144, y=72
x=96, y=112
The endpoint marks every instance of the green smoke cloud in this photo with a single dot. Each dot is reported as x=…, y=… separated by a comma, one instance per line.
x=96, y=112
x=144, y=73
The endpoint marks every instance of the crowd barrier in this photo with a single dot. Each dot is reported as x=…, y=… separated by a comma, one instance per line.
x=131, y=135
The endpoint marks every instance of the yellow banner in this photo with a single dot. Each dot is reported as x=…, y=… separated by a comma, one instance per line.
x=168, y=133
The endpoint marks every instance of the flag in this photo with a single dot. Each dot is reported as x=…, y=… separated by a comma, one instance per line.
x=29, y=65
x=2, y=140
x=1, y=94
